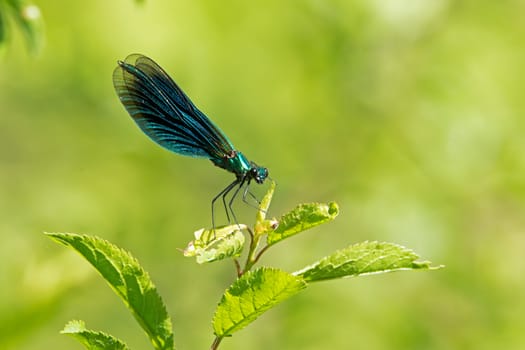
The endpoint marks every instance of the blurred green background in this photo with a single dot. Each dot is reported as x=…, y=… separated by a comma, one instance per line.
x=409, y=114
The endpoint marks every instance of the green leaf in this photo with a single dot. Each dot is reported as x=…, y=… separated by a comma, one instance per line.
x=265, y=202
x=218, y=244
x=364, y=259
x=251, y=295
x=92, y=340
x=262, y=225
x=303, y=217
x=29, y=20
x=129, y=280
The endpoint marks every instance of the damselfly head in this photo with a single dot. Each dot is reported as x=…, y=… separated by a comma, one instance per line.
x=258, y=173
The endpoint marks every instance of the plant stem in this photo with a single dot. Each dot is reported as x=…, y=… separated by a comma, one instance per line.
x=237, y=267
x=250, y=259
x=261, y=252
x=215, y=343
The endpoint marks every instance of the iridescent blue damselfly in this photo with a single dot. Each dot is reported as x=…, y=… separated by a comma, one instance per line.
x=165, y=114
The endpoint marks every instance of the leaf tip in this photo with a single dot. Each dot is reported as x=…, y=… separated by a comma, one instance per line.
x=333, y=209
x=74, y=326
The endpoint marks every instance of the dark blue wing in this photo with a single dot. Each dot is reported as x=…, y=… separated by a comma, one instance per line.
x=162, y=110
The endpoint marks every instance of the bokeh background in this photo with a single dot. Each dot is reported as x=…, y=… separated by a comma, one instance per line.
x=409, y=114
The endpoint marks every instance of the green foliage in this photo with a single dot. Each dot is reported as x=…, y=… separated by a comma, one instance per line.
x=28, y=19
x=220, y=243
x=303, y=217
x=363, y=259
x=253, y=293
x=409, y=114
x=92, y=340
x=130, y=282
x=262, y=225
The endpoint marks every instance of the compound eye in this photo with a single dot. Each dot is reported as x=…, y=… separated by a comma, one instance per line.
x=262, y=174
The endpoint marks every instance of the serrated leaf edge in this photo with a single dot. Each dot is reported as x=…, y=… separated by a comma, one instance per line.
x=416, y=265
x=236, y=326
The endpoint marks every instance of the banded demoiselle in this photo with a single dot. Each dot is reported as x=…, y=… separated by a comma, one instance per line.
x=165, y=114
